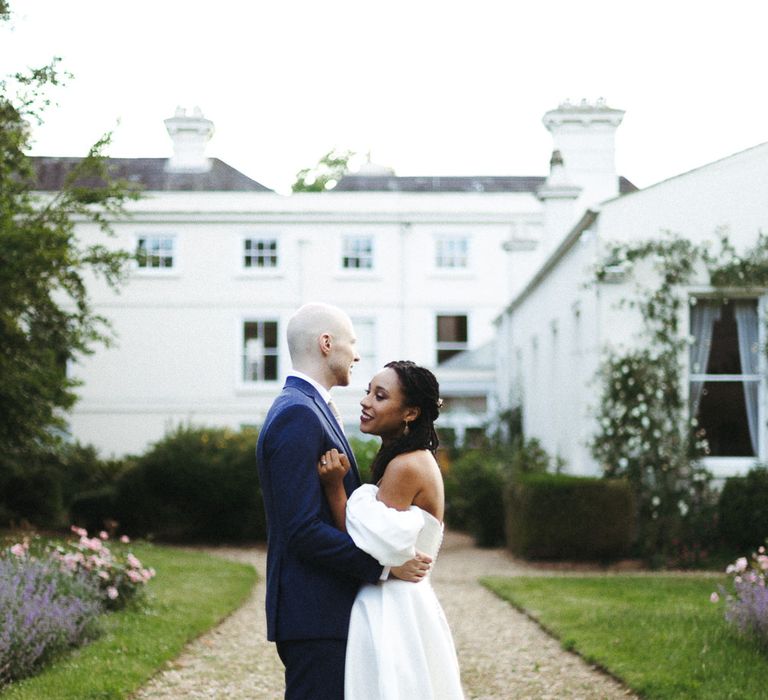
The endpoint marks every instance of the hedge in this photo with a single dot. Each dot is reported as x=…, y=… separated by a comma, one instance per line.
x=743, y=509
x=556, y=516
x=195, y=485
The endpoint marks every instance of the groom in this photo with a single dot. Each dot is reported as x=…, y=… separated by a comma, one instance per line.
x=313, y=569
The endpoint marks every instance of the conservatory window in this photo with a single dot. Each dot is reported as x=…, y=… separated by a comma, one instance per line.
x=724, y=375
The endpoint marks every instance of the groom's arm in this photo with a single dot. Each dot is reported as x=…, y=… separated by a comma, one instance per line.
x=295, y=441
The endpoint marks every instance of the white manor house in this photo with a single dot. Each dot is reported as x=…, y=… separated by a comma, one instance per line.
x=423, y=265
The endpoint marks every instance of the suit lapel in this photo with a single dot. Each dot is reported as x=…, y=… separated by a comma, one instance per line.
x=325, y=409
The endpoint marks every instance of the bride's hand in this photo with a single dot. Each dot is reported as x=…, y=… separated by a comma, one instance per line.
x=332, y=467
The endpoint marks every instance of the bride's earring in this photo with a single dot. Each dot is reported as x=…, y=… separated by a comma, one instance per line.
x=407, y=428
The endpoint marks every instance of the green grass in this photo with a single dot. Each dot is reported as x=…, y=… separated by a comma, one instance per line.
x=191, y=593
x=659, y=634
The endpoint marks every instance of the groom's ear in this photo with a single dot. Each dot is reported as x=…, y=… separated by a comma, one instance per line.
x=325, y=341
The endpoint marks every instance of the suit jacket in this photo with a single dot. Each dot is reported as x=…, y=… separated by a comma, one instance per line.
x=313, y=569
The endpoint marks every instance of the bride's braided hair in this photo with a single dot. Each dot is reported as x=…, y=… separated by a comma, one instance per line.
x=421, y=390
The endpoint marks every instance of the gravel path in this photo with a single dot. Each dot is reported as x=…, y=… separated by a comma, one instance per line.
x=503, y=655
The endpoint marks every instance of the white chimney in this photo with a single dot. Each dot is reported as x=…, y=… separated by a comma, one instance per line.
x=190, y=135
x=559, y=195
x=585, y=136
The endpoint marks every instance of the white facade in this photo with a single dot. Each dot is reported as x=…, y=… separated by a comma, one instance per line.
x=551, y=336
x=200, y=325
x=179, y=350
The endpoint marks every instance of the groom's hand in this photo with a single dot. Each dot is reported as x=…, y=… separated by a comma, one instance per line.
x=414, y=570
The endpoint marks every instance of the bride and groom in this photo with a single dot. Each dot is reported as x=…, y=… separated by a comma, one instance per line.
x=349, y=602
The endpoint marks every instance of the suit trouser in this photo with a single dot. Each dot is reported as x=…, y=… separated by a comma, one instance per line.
x=314, y=668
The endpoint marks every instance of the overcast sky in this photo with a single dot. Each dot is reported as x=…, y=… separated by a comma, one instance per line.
x=429, y=87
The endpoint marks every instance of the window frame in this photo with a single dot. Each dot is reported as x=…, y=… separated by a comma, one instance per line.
x=455, y=347
x=260, y=269
x=439, y=257
x=172, y=269
x=347, y=253
x=273, y=352
x=724, y=466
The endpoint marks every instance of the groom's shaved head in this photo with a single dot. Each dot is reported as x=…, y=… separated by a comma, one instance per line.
x=309, y=323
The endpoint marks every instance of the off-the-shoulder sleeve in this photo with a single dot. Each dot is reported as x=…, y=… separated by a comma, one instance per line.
x=387, y=534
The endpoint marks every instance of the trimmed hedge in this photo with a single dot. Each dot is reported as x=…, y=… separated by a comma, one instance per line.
x=743, y=509
x=556, y=516
x=195, y=485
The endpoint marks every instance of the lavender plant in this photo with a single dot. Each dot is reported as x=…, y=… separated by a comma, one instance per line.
x=746, y=608
x=43, y=611
x=52, y=601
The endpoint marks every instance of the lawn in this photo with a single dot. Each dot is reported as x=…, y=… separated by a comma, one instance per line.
x=191, y=593
x=659, y=634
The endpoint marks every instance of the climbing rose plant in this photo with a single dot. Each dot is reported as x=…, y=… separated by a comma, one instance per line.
x=645, y=433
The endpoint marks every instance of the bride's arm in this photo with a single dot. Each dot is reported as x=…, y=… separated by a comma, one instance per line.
x=332, y=468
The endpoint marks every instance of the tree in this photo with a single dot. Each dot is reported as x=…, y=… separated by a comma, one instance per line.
x=325, y=175
x=46, y=319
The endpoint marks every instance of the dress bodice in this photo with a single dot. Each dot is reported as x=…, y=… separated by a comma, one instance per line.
x=431, y=536
x=389, y=535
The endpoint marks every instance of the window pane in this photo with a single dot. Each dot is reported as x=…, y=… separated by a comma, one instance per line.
x=723, y=416
x=724, y=355
x=452, y=329
x=270, y=367
x=270, y=334
x=250, y=330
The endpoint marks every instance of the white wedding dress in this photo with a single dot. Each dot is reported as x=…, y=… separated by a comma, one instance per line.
x=400, y=646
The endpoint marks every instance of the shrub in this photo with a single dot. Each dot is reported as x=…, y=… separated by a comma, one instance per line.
x=475, y=483
x=365, y=451
x=746, y=609
x=554, y=516
x=41, y=486
x=196, y=484
x=474, y=503
x=119, y=574
x=43, y=611
x=743, y=516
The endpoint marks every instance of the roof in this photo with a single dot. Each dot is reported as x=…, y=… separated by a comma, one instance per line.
x=461, y=183
x=483, y=357
x=567, y=243
x=151, y=173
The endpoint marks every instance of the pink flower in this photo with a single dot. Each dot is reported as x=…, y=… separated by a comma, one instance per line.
x=19, y=550
x=103, y=535
x=125, y=539
x=134, y=576
x=714, y=598
x=112, y=593
x=79, y=531
x=92, y=544
x=741, y=564
x=103, y=575
x=133, y=561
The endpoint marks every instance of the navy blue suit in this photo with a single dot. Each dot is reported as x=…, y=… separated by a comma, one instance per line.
x=313, y=569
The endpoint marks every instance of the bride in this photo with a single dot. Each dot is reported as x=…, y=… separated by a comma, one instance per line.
x=399, y=644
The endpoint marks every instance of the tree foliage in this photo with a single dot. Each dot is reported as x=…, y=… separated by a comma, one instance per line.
x=46, y=320
x=325, y=175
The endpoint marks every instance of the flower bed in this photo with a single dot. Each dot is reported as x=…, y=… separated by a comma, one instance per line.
x=746, y=608
x=51, y=600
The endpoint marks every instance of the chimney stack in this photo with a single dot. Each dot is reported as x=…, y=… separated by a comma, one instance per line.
x=558, y=195
x=190, y=135
x=585, y=136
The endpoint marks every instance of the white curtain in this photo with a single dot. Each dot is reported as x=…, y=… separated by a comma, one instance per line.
x=703, y=317
x=746, y=323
